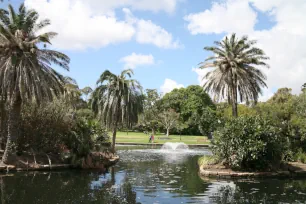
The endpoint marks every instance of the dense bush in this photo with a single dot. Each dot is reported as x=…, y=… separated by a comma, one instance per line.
x=249, y=142
x=300, y=156
x=44, y=127
x=209, y=121
x=84, y=136
x=57, y=127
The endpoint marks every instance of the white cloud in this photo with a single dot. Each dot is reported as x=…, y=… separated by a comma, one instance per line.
x=84, y=24
x=169, y=85
x=108, y=6
x=201, y=74
x=231, y=16
x=135, y=60
x=284, y=43
x=149, y=33
x=77, y=25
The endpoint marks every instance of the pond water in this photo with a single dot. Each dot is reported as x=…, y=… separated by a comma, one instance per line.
x=146, y=175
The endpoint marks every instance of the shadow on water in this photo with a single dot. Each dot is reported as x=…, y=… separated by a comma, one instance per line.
x=146, y=176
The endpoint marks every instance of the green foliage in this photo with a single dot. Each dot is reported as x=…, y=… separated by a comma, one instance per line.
x=249, y=143
x=189, y=102
x=300, y=156
x=57, y=127
x=207, y=160
x=117, y=100
x=43, y=127
x=235, y=62
x=168, y=119
x=148, y=120
x=84, y=135
x=209, y=121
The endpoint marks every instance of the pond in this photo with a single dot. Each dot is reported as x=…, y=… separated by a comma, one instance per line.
x=146, y=175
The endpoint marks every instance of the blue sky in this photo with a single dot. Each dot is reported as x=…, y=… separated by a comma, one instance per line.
x=167, y=37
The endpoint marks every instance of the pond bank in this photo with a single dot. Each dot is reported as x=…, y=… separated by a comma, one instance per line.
x=44, y=162
x=289, y=170
x=159, y=145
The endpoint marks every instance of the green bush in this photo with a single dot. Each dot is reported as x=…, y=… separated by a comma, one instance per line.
x=300, y=156
x=249, y=142
x=57, y=127
x=84, y=135
x=207, y=160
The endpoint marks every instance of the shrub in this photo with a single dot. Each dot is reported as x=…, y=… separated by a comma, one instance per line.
x=207, y=160
x=84, y=135
x=249, y=142
x=300, y=156
x=56, y=127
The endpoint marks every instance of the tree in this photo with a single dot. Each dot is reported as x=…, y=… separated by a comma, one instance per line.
x=86, y=91
x=189, y=102
x=235, y=62
x=151, y=110
x=282, y=95
x=169, y=119
x=117, y=99
x=303, y=87
x=25, y=67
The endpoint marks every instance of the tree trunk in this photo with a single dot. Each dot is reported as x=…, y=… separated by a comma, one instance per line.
x=13, y=127
x=115, y=125
x=3, y=124
x=114, y=137
x=153, y=131
x=234, y=96
x=167, y=132
x=234, y=108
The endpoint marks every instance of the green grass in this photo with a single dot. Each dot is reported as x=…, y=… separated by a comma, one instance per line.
x=141, y=138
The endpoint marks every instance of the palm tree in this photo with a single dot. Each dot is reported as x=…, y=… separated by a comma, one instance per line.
x=86, y=91
x=235, y=64
x=25, y=65
x=117, y=99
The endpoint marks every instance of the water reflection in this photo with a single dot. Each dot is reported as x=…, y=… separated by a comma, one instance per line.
x=263, y=191
x=65, y=187
x=146, y=176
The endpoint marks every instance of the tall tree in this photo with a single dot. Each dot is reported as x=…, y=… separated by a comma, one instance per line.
x=86, y=91
x=169, y=119
x=190, y=103
x=235, y=71
x=149, y=117
x=117, y=99
x=25, y=65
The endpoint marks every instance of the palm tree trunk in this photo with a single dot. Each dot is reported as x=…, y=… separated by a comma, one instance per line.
x=234, y=96
x=114, y=137
x=115, y=125
x=13, y=128
x=3, y=124
x=234, y=106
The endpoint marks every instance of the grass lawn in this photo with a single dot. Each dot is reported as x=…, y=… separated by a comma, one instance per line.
x=138, y=137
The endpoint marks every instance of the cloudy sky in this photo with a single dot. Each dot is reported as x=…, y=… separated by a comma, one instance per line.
x=163, y=40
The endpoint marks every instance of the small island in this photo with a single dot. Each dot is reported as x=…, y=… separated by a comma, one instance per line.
x=251, y=147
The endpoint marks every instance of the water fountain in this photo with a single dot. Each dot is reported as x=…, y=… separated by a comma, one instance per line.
x=175, y=146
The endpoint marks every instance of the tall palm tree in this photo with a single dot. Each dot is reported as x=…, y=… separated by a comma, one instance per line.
x=235, y=71
x=117, y=99
x=86, y=91
x=25, y=65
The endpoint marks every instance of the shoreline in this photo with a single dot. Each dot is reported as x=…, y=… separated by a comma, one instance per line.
x=294, y=170
x=92, y=161
x=158, y=144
